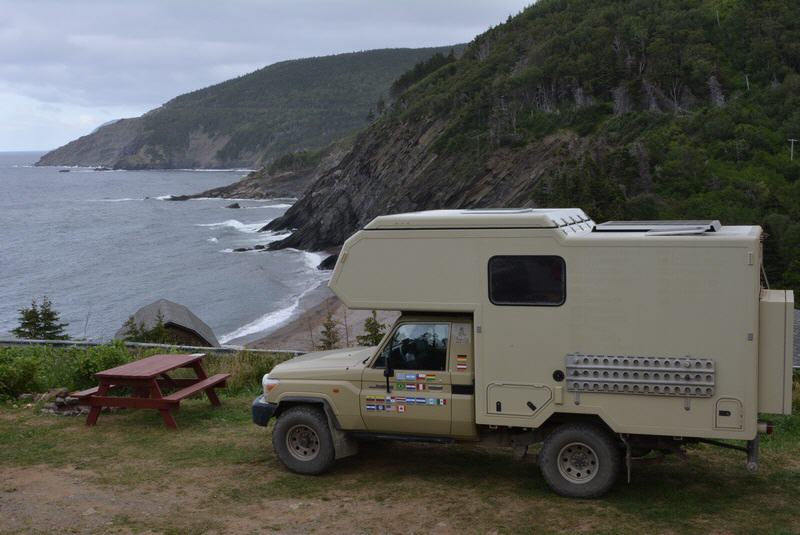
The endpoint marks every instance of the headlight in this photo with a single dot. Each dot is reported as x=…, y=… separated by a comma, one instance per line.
x=268, y=383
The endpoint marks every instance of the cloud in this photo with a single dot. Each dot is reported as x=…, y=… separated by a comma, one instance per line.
x=77, y=63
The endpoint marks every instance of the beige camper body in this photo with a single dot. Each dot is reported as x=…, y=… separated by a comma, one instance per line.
x=525, y=326
x=677, y=305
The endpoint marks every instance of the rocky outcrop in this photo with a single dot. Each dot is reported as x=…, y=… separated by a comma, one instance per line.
x=101, y=148
x=277, y=182
x=396, y=168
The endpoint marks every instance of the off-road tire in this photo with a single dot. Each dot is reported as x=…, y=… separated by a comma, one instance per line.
x=303, y=420
x=596, y=449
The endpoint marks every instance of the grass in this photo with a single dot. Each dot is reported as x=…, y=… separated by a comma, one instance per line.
x=218, y=473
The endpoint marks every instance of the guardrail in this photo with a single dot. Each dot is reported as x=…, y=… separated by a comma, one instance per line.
x=194, y=349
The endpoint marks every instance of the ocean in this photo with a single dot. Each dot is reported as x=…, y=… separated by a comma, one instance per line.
x=101, y=244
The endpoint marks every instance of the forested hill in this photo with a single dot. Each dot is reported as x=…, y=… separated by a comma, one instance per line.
x=637, y=109
x=248, y=121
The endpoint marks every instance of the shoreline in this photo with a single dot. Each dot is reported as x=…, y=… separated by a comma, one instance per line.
x=302, y=332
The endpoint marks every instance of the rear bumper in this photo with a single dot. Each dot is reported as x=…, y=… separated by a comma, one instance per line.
x=262, y=411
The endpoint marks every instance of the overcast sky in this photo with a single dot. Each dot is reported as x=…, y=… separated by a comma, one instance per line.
x=68, y=66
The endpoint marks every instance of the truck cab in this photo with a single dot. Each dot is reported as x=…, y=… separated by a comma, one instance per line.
x=603, y=342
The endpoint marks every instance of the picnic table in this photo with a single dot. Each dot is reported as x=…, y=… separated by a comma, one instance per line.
x=148, y=378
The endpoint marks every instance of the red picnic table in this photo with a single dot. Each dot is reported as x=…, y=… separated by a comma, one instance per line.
x=148, y=378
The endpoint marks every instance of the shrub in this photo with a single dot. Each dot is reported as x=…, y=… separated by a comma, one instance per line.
x=91, y=360
x=246, y=369
x=18, y=374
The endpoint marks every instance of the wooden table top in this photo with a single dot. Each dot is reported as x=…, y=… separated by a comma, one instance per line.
x=149, y=367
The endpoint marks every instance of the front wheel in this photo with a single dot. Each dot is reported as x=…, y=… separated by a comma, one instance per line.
x=580, y=460
x=302, y=440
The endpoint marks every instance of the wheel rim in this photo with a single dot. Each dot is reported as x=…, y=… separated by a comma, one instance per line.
x=302, y=442
x=578, y=463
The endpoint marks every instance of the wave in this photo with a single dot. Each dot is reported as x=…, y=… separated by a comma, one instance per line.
x=268, y=321
x=212, y=239
x=249, y=228
x=263, y=239
x=273, y=320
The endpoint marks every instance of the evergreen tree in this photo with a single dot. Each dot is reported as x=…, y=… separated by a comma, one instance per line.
x=330, y=337
x=28, y=323
x=51, y=328
x=158, y=334
x=40, y=322
x=373, y=331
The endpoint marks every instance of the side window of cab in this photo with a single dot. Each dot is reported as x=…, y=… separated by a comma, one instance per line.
x=416, y=346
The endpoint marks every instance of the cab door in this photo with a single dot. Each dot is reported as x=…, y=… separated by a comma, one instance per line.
x=418, y=398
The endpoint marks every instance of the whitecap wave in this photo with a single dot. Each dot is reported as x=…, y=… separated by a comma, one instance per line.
x=280, y=317
x=266, y=322
x=235, y=224
x=212, y=239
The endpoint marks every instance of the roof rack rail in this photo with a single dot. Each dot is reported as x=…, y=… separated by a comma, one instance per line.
x=661, y=228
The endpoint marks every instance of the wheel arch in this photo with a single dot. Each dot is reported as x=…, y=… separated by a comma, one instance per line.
x=558, y=418
x=288, y=402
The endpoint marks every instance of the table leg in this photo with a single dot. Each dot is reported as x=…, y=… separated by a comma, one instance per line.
x=201, y=374
x=94, y=413
x=155, y=393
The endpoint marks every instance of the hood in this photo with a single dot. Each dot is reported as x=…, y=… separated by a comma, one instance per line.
x=337, y=360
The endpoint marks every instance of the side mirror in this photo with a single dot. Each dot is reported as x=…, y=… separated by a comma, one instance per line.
x=388, y=372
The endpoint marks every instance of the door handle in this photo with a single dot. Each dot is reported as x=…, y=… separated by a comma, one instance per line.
x=531, y=406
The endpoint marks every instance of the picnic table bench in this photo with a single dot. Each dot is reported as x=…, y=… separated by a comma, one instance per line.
x=148, y=378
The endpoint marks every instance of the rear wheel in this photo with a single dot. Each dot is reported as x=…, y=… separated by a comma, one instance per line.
x=580, y=460
x=302, y=440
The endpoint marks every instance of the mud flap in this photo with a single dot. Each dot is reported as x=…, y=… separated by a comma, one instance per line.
x=343, y=444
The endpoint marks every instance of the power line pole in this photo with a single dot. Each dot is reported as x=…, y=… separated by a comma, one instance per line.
x=791, y=151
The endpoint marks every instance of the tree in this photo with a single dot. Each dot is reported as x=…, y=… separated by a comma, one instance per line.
x=40, y=322
x=158, y=334
x=373, y=331
x=28, y=322
x=49, y=319
x=330, y=337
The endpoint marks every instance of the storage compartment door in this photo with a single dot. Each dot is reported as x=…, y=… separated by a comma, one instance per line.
x=517, y=400
x=729, y=414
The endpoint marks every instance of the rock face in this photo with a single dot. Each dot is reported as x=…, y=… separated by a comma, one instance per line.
x=394, y=168
x=250, y=120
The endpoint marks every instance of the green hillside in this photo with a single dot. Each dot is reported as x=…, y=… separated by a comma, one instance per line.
x=250, y=120
x=628, y=109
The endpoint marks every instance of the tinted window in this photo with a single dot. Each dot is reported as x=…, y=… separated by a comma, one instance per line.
x=527, y=280
x=416, y=347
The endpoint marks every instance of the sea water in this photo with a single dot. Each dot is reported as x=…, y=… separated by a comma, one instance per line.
x=101, y=244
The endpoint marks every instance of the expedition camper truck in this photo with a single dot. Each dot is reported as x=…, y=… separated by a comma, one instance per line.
x=603, y=341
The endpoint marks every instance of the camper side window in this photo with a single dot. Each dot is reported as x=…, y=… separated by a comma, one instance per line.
x=527, y=280
x=416, y=346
